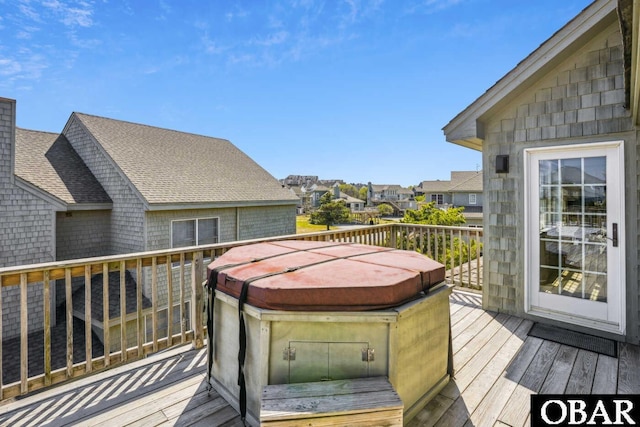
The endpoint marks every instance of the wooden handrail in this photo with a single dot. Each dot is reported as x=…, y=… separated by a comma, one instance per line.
x=172, y=279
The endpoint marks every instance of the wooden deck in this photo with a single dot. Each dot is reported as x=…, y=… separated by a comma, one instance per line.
x=497, y=367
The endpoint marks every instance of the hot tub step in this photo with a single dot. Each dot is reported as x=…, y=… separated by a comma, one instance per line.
x=363, y=402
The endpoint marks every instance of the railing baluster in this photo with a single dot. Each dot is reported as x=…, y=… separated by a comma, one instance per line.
x=69, y=307
x=452, y=256
x=154, y=302
x=436, y=245
x=427, y=239
x=169, y=303
x=468, y=234
x=87, y=319
x=123, y=312
x=24, y=335
x=47, y=328
x=1, y=340
x=460, y=258
x=196, y=300
x=183, y=314
x=106, y=316
x=478, y=242
x=140, y=317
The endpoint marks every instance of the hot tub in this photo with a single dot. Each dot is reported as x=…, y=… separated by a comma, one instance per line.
x=298, y=311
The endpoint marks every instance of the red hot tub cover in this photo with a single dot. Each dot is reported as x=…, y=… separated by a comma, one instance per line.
x=300, y=275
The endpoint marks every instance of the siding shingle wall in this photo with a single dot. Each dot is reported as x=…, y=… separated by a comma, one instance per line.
x=26, y=230
x=580, y=101
x=127, y=215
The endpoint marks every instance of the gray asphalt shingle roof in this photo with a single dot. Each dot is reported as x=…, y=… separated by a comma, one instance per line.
x=47, y=161
x=461, y=181
x=171, y=167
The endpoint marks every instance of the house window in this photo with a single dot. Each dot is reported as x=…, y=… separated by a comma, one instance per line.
x=438, y=198
x=194, y=232
x=472, y=199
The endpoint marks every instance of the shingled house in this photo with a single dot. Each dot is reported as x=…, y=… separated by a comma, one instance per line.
x=105, y=186
x=559, y=139
x=464, y=189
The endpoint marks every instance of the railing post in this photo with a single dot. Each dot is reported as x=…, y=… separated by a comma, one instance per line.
x=1, y=339
x=88, y=351
x=196, y=298
x=24, y=335
x=393, y=236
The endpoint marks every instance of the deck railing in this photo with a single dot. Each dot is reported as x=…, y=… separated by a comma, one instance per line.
x=121, y=322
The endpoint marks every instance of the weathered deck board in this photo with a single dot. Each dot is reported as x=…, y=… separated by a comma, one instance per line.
x=605, y=380
x=584, y=369
x=497, y=366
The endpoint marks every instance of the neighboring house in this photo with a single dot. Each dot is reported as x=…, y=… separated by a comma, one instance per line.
x=354, y=204
x=313, y=193
x=105, y=186
x=301, y=195
x=463, y=190
x=299, y=180
x=398, y=197
x=559, y=138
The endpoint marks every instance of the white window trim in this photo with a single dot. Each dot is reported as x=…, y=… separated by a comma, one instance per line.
x=473, y=200
x=435, y=196
x=196, y=228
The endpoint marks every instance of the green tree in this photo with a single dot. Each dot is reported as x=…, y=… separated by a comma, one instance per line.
x=330, y=211
x=349, y=189
x=385, y=209
x=430, y=214
x=420, y=199
x=443, y=247
x=362, y=193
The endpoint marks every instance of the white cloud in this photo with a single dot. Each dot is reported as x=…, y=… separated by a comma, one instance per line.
x=71, y=13
x=80, y=17
x=277, y=38
x=236, y=13
x=431, y=6
x=211, y=46
x=9, y=67
x=29, y=12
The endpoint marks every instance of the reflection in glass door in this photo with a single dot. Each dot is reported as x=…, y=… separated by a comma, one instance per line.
x=573, y=227
x=574, y=201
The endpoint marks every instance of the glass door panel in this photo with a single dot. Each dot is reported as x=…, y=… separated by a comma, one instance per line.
x=575, y=263
x=572, y=213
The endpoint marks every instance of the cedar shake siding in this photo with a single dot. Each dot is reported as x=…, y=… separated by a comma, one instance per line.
x=570, y=91
x=27, y=227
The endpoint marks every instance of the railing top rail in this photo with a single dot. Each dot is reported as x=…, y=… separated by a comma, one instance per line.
x=445, y=227
x=212, y=247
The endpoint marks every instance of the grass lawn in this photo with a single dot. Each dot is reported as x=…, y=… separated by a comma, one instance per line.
x=303, y=226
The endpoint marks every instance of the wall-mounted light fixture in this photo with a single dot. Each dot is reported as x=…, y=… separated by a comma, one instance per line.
x=502, y=163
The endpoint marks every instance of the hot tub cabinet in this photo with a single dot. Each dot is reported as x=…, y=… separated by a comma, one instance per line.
x=408, y=343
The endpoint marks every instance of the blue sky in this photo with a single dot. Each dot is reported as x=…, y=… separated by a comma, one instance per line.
x=344, y=89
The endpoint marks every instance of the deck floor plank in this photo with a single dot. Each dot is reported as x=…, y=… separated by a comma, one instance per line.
x=462, y=338
x=497, y=368
x=517, y=408
x=628, y=369
x=583, y=372
x=466, y=353
x=560, y=371
x=464, y=324
x=605, y=380
x=488, y=411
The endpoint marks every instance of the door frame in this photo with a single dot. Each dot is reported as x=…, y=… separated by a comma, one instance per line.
x=531, y=218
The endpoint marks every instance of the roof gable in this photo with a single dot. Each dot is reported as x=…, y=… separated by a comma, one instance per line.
x=49, y=162
x=168, y=167
x=466, y=128
x=461, y=181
